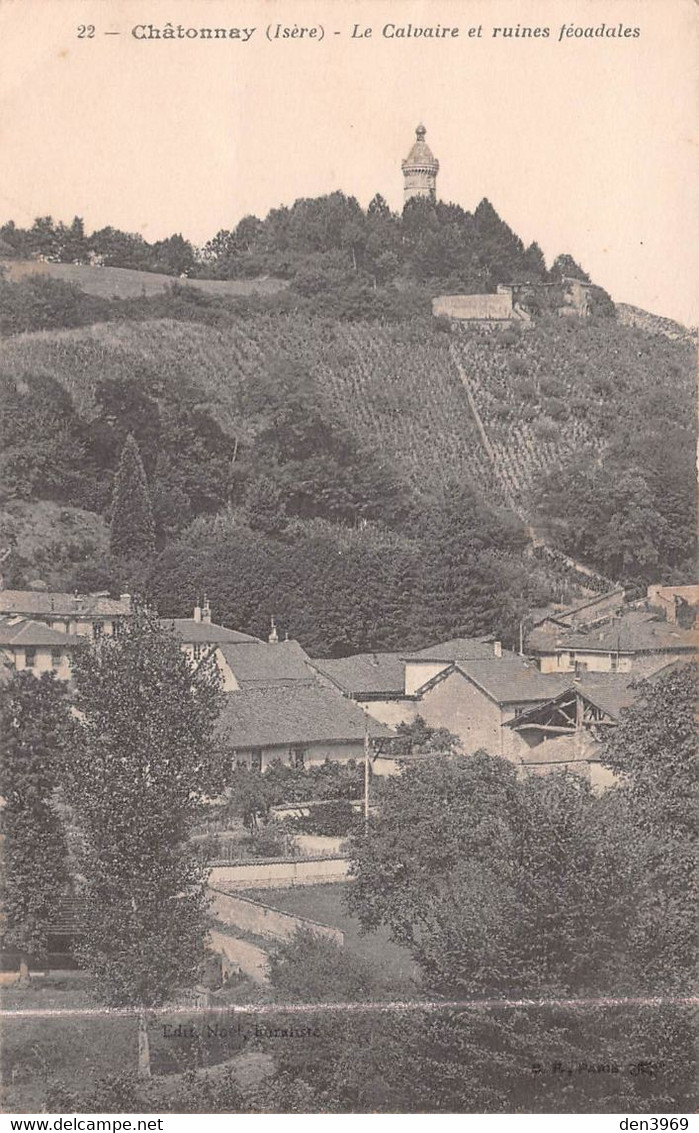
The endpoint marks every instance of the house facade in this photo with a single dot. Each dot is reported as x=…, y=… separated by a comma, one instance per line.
x=81, y=615
x=475, y=699
x=375, y=681
x=199, y=635
x=636, y=641
x=570, y=729
x=32, y=646
x=299, y=724
x=424, y=665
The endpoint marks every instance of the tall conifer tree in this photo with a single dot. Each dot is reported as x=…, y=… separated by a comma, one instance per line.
x=132, y=530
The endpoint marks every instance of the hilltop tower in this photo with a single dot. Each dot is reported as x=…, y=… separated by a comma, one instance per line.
x=420, y=169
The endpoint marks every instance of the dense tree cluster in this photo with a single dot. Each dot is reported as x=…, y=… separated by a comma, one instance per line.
x=330, y=244
x=330, y=248
x=40, y=303
x=631, y=509
x=50, y=451
x=70, y=244
x=520, y=889
x=342, y=590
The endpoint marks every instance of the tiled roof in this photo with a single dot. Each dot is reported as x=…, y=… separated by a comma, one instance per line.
x=634, y=632
x=365, y=673
x=22, y=631
x=46, y=603
x=511, y=680
x=612, y=692
x=609, y=691
x=458, y=649
x=539, y=614
x=563, y=614
x=263, y=664
x=281, y=715
x=188, y=630
x=420, y=153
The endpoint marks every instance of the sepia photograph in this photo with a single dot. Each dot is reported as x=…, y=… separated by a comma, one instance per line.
x=348, y=575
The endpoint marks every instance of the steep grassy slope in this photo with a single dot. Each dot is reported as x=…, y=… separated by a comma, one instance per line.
x=543, y=396
x=126, y=283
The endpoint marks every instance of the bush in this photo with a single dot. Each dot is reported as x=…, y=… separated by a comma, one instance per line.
x=270, y=843
x=330, y=819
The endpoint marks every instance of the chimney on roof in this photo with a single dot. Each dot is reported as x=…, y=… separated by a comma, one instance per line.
x=273, y=635
x=197, y=613
x=206, y=612
x=125, y=598
x=497, y=648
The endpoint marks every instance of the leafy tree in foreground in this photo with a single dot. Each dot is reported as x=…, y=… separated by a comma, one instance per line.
x=33, y=730
x=458, y=867
x=310, y=969
x=343, y=1059
x=653, y=750
x=504, y=888
x=143, y=758
x=132, y=532
x=421, y=738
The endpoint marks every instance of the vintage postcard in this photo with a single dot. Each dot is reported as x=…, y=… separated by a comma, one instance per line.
x=348, y=557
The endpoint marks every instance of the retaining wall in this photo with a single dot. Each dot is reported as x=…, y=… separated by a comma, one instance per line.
x=277, y=872
x=240, y=956
x=262, y=920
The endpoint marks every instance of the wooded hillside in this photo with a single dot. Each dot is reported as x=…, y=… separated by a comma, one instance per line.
x=338, y=422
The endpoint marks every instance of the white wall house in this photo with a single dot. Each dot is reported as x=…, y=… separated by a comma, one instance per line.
x=634, y=642
x=34, y=646
x=199, y=636
x=83, y=615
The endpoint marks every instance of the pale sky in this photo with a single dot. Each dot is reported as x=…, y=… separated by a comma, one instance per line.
x=587, y=145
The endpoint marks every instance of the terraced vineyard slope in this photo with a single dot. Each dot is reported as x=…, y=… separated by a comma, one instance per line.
x=544, y=396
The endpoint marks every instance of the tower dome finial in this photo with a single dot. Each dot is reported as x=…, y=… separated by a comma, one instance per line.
x=420, y=169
